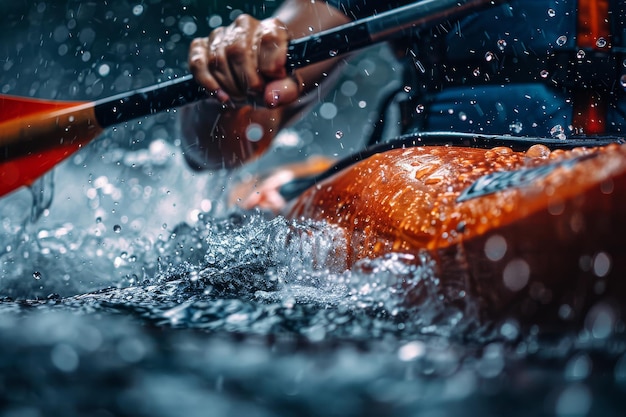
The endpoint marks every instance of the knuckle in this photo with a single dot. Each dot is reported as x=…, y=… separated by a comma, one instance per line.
x=243, y=20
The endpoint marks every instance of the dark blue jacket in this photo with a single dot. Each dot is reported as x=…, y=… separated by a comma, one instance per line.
x=513, y=68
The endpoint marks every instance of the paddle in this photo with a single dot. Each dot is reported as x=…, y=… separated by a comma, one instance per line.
x=35, y=135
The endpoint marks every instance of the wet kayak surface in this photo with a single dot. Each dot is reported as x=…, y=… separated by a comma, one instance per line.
x=128, y=288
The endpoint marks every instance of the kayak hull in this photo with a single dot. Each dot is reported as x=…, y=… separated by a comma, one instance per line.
x=536, y=235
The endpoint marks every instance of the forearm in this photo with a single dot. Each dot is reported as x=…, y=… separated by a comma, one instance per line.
x=225, y=136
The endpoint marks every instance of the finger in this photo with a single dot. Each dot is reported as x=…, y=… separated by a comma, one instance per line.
x=273, y=44
x=242, y=55
x=220, y=40
x=282, y=92
x=198, y=62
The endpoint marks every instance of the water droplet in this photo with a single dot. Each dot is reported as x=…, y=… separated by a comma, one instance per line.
x=489, y=56
x=254, y=132
x=495, y=248
x=333, y=52
x=407, y=88
x=411, y=351
x=551, y=12
x=516, y=274
x=419, y=108
x=544, y=73
x=339, y=134
x=138, y=10
x=558, y=132
x=516, y=127
x=37, y=275
x=462, y=116
x=328, y=111
x=561, y=40
x=580, y=54
x=601, y=264
x=601, y=43
x=117, y=228
x=501, y=44
x=476, y=72
x=104, y=70
x=622, y=81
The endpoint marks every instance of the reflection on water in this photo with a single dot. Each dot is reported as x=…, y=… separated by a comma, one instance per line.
x=136, y=292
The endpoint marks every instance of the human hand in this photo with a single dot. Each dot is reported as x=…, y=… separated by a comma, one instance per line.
x=246, y=60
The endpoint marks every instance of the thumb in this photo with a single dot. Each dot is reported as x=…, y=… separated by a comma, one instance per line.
x=282, y=92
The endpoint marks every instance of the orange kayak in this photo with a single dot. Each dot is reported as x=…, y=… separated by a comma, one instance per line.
x=538, y=235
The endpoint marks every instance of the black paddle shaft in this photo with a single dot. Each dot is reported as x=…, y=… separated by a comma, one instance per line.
x=301, y=52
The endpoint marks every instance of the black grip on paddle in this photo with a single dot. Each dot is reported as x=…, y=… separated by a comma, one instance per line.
x=147, y=101
x=325, y=45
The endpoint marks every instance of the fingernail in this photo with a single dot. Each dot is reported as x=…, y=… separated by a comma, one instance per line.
x=222, y=96
x=275, y=98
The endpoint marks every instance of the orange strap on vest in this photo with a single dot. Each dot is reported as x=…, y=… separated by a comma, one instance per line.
x=593, y=34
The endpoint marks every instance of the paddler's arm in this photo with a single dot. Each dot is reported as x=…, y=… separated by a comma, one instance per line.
x=244, y=63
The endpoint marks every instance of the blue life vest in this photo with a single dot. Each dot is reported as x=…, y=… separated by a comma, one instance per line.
x=517, y=68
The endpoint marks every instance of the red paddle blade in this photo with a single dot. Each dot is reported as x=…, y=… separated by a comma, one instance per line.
x=25, y=170
x=35, y=135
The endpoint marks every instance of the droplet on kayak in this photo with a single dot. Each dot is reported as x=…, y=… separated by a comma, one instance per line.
x=538, y=151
